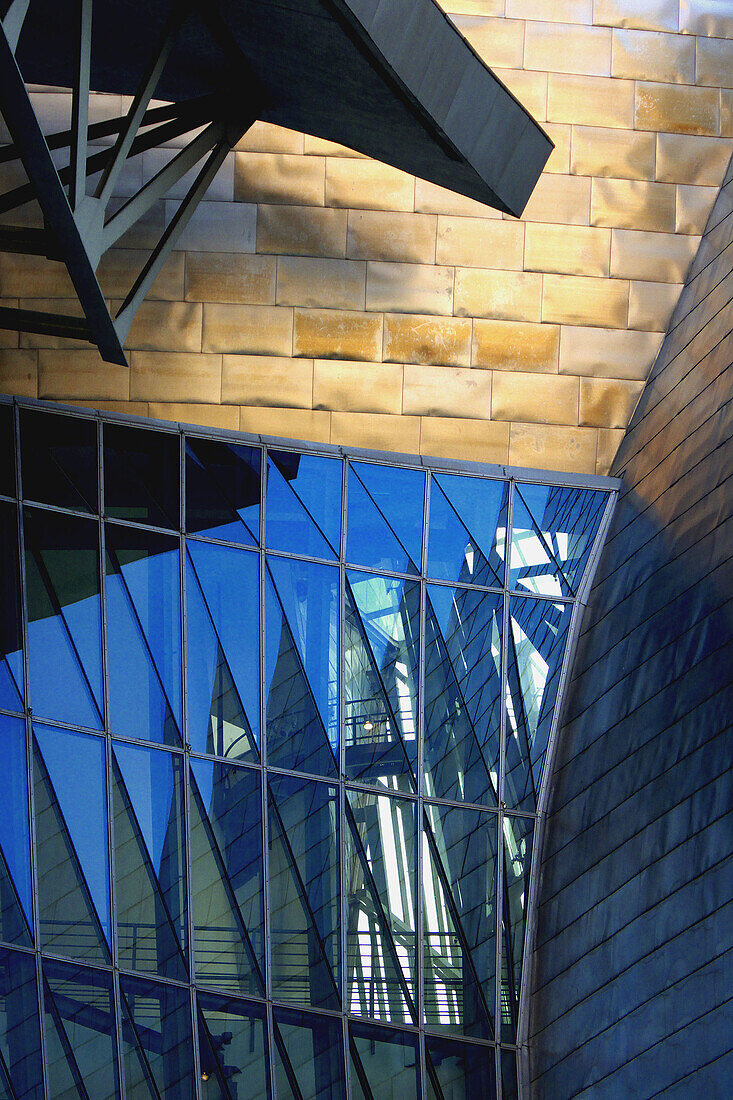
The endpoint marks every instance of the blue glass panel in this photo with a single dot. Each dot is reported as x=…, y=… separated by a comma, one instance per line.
x=553, y=529
x=302, y=638
x=385, y=517
x=81, y=1048
x=223, y=632
x=144, y=634
x=59, y=459
x=467, y=531
x=308, y=1056
x=159, y=1044
x=71, y=843
x=150, y=877
x=383, y=1063
x=7, y=450
x=141, y=475
x=304, y=504
x=518, y=833
x=11, y=626
x=304, y=891
x=223, y=490
x=537, y=634
x=20, y=1033
x=462, y=694
x=16, y=895
x=381, y=652
x=226, y=876
x=459, y=931
x=232, y=1049
x=509, y=1090
x=462, y=1071
x=64, y=624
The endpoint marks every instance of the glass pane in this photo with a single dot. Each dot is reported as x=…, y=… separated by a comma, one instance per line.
x=223, y=640
x=381, y=654
x=459, y=919
x=467, y=529
x=159, y=1044
x=226, y=876
x=537, y=634
x=81, y=1048
x=64, y=624
x=11, y=626
x=301, y=639
x=304, y=891
x=141, y=475
x=517, y=859
x=384, y=1064
x=459, y=1070
x=20, y=1034
x=509, y=1090
x=380, y=881
x=304, y=504
x=223, y=490
x=308, y=1056
x=59, y=459
x=7, y=450
x=232, y=1049
x=150, y=878
x=385, y=517
x=462, y=694
x=71, y=843
x=144, y=634
x=16, y=892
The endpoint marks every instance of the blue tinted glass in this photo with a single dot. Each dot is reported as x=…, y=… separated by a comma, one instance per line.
x=226, y=876
x=517, y=832
x=301, y=639
x=150, y=875
x=467, y=529
x=15, y=848
x=59, y=459
x=462, y=1071
x=160, y=1045
x=304, y=504
x=141, y=475
x=304, y=891
x=552, y=535
x=144, y=634
x=71, y=842
x=223, y=632
x=223, y=490
x=64, y=623
x=20, y=1033
x=7, y=450
x=232, y=1049
x=11, y=643
x=383, y=1063
x=81, y=1051
x=385, y=517
x=509, y=1089
x=308, y=1056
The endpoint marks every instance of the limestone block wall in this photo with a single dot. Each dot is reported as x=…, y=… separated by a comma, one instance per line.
x=323, y=296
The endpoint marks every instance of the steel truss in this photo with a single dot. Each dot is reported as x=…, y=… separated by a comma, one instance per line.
x=80, y=224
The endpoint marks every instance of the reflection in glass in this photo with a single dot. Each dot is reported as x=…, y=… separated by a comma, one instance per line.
x=462, y=694
x=226, y=876
x=64, y=624
x=383, y=1063
x=536, y=643
x=149, y=838
x=232, y=1049
x=517, y=859
x=144, y=634
x=467, y=532
x=7, y=450
x=303, y=504
x=223, y=490
x=308, y=1056
x=304, y=891
x=11, y=625
x=461, y=1071
x=71, y=843
x=385, y=517
x=222, y=636
x=157, y=1044
x=301, y=640
x=141, y=475
x=16, y=898
x=381, y=855
x=81, y=1049
x=381, y=653
x=59, y=459
x=459, y=919
x=21, y=1070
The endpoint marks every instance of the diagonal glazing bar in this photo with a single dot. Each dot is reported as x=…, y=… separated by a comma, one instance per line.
x=80, y=105
x=13, y=21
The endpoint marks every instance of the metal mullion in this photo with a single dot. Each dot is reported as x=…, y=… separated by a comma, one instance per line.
x=267, y=947
x=77, y=513
x=119, y=522
x=341, y=725
x=420, y=777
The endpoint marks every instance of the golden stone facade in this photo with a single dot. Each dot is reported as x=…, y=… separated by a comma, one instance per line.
x=320, y=295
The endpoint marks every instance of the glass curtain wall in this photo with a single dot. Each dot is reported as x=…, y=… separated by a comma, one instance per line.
x=274, y=726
